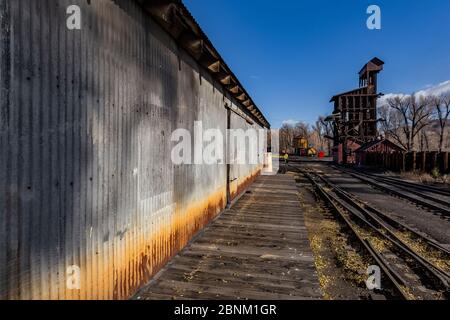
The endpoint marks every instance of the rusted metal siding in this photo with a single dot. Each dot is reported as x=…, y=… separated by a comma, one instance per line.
x=86, y=177
x=4, y=115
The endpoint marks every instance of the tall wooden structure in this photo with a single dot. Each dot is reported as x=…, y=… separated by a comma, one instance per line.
x=355, y=112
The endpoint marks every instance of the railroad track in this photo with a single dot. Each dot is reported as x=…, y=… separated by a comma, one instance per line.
x=413, y=185
x=431, y=198
x=397, y=249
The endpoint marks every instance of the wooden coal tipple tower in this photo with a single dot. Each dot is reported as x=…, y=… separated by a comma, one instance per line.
x=355, y=114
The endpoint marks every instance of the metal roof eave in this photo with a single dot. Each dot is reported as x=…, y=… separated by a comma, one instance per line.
x=175, y=18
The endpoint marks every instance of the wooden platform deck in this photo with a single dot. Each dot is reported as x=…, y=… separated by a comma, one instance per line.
x=258, y=249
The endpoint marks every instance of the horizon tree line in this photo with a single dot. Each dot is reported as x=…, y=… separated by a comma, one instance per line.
x=416, y=123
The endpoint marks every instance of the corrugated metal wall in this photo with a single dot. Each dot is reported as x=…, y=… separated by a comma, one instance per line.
x=242, y=175
x=86, y=177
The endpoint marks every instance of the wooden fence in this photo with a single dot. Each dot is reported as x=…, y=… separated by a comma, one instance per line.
x=409, y=161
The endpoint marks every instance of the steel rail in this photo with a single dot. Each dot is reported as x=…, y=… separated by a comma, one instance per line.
x=404, y=186
x=399, y=224
x=413, y=185
x=439, y=274
x=396, y=280
x=417, y=201
x=439, y=277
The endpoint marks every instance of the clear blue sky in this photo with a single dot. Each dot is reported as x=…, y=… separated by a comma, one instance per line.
x=293, y=56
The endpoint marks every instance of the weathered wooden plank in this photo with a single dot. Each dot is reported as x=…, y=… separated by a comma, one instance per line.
x=241, y=272
x=258, y=249
x=234, y=292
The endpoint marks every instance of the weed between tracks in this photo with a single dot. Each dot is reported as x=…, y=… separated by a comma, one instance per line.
x=341, y=269
x=386, y=248
x=438, y=180
x=343, y=258
x=332, y=251
x=425, y=251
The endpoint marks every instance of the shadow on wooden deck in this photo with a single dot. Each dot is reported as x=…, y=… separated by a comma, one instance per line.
x=258, y=249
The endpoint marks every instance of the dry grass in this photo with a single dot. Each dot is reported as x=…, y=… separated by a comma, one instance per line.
x=382, y=246
x=421, y=177
x=350, y=261
x=423, y=250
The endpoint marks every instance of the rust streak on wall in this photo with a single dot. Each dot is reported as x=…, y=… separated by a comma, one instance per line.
x=86, y=176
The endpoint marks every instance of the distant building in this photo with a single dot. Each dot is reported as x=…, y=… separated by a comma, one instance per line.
x=378, y=146
x=300, y=145
x=338, y=152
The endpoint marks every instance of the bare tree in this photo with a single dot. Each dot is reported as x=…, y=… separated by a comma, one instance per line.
x=286, y=137
x=414, y=113
x=324, y=130
x=424, y=141
x=302, y=129
x=442, y=113
x=318, y=135
x=289, y=132
x=390, y=126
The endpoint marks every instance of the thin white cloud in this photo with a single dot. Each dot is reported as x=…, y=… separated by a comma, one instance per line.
x=442, y=88
x=384, y=99
x=289, y=122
